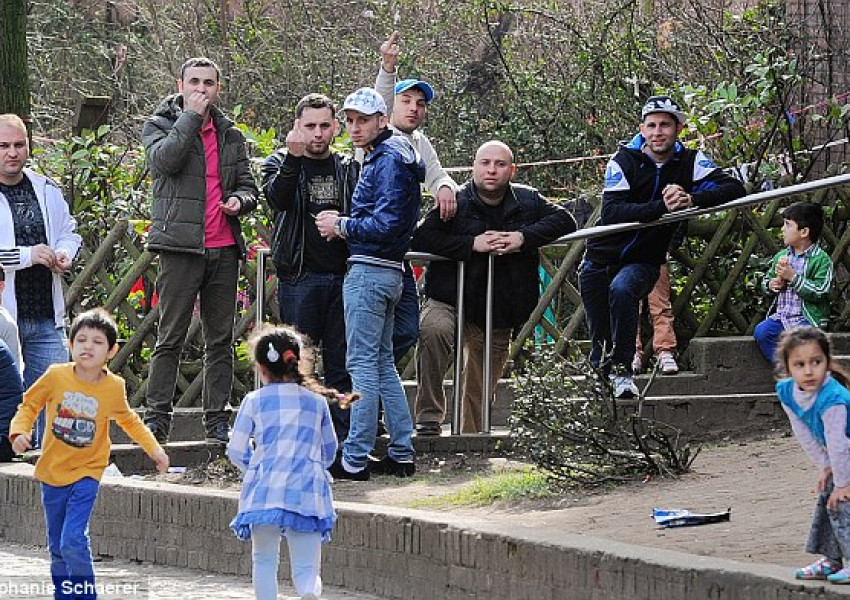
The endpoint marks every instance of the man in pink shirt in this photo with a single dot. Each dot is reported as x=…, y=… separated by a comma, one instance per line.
x=202, y=184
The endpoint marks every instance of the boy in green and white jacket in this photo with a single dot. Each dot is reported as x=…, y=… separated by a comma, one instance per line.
x=800, y=275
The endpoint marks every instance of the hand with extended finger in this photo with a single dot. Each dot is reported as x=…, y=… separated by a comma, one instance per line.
x=389, y=53
x=296, y=143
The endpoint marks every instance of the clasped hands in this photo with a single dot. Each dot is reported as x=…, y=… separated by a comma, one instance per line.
x=784, y=274
x=676, y=198
x=498, y=242
x=57, y=261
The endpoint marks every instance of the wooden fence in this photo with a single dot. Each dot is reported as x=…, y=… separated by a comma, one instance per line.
x=716, y=274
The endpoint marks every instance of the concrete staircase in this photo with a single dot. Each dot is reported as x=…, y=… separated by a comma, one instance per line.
x=725, y=388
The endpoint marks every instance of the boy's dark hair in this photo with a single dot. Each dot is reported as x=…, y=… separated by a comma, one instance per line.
x=2, y=274
x=96, y=318
x=278, y=350
x=199, y=61
x=314, y=101
x=806, y=214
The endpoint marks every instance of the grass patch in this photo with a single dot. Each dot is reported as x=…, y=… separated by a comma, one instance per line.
x=504, y=486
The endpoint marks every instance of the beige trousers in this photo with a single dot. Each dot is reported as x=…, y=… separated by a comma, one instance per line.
x=434, y=357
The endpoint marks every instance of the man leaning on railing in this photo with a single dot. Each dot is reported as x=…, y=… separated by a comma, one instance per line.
x=651, y=176
x=493, y=216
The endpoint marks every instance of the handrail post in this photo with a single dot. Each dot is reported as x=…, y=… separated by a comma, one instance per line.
x=457, y=387
x=486, y=387
x=260, y=300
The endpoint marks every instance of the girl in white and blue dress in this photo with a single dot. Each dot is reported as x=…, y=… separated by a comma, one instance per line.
x=283, y=441
x=816, y=400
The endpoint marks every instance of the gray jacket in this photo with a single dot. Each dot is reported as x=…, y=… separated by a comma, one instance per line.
x=175, y=154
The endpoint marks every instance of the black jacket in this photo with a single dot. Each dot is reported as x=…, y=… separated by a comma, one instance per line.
x=516, y=281
x=178, y=165
x=285, y=188
x=633, y=192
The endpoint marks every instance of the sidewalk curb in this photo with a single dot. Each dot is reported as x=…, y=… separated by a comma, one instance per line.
x=401, y=553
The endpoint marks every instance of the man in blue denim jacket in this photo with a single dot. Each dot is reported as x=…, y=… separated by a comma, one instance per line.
x=384, y=210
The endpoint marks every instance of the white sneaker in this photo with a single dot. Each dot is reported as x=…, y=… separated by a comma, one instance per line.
x=637, y=363
x=624, y=387
x=668, y=363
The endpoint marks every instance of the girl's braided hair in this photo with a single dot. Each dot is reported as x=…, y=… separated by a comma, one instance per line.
x=279, y=350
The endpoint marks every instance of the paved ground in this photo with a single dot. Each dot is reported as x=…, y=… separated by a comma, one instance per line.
x=769, y=484
x=24, y=574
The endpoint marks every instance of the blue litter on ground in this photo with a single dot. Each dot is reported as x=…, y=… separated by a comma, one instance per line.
x=685, y=518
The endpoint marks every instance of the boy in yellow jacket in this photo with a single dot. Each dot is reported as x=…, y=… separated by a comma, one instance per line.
x=79, y=399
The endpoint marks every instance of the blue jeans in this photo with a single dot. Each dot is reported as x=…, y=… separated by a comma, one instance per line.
x=67, y=510
x=312, y=303
x=611, y=298
x=42, y=344
x=406, y=329
x=767, y=334
x=371, y=294
x=829, y=534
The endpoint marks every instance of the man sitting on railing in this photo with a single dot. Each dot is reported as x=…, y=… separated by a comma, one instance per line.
x=493, y=216
x=651, y=176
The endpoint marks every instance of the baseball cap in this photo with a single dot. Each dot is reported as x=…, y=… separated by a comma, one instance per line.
x=665, y=104
x=365, y=100
x=406, y=84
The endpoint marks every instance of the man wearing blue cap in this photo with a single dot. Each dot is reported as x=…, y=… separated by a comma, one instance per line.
x=384, y=210
x=406, y=114
x=651, y=176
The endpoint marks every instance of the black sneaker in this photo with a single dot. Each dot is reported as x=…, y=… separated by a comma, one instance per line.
x=390, y=466
x=159, y=431
x=218, y=434
x=337, y=471
x=428, y=429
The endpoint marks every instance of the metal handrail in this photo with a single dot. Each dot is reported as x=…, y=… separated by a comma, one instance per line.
x=581, y=234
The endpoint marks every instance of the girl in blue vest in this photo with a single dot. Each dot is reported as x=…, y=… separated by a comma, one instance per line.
x=816, y=400
x=283, y=442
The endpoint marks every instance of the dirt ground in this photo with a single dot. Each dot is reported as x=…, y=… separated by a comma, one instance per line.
x=768, y=483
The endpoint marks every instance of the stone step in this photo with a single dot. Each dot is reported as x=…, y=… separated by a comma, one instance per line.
x=692, y=418
x=695, y=416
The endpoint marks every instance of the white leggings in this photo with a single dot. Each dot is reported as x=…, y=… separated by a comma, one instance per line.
x=305, y=558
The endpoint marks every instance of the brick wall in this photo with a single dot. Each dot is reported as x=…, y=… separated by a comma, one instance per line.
x=399, y=553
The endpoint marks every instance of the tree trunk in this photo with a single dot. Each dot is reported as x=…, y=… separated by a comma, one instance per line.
x=14, y=79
